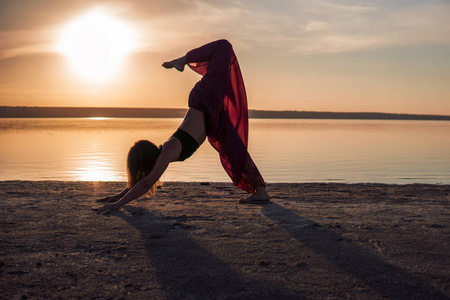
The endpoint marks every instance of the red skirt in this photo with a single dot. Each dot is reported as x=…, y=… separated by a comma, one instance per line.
x=220, y=95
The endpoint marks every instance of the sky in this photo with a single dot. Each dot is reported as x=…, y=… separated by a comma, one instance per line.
x=346, y=56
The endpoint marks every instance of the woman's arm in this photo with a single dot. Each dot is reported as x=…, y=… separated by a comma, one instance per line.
x=170, y=152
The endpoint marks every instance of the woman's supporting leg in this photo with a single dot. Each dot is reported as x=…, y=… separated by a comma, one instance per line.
x=255, y=179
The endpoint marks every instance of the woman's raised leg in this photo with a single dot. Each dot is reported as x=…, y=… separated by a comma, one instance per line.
x=178, y=64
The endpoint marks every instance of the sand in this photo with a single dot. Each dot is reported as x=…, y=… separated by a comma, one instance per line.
x=193, y=241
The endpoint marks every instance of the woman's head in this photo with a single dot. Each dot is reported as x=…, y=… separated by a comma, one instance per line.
x=141, y=160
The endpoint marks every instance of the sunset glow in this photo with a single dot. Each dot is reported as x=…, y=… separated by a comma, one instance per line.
x=96, y=45
x=330, y=55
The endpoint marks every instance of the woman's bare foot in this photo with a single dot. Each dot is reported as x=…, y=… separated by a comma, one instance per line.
x=178, y=64
x=261, y=196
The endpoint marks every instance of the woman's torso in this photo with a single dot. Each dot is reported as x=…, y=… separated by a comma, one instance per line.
x=194, y=124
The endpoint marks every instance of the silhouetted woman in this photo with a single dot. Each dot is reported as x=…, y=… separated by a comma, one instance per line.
x=218, y=111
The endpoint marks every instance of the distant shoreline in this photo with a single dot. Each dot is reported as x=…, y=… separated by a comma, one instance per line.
x=117, y=112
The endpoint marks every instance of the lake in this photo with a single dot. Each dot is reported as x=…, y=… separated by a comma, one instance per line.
x=285, y=150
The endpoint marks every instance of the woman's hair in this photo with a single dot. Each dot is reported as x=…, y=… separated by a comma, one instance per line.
x=141, y=160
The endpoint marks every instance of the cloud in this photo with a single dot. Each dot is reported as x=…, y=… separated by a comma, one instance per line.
x=327, y=27
x=300, y=26
x=306, y=27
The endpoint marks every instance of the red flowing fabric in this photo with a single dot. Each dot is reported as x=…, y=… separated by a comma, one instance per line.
x=220, y=95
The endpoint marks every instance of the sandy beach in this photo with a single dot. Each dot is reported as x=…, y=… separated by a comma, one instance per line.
x=193, y=241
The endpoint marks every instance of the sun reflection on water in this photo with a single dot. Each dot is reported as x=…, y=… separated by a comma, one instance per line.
x=99, y=118
x=93, y=169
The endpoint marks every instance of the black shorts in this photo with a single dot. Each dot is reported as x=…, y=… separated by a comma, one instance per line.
x=188, y=144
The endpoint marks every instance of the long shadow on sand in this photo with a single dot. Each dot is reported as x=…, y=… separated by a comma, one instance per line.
x=186, y=270
x=384, y=278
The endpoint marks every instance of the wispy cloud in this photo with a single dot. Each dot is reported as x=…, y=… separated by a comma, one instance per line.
x=301, y=27
x=314, y=27
x=324, y=27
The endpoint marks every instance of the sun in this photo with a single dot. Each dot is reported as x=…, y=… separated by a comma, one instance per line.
x=96, y=45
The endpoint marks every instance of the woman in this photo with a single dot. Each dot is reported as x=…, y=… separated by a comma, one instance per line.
x=217, y=110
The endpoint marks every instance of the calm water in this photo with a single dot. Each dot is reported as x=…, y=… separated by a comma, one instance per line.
x=284, y=150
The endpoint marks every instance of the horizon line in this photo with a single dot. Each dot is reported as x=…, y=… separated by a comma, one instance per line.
x=156, y=112
x=255, y=110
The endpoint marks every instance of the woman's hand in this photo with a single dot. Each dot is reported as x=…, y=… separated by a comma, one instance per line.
x=108, y=199
x=114, y=198
x=113, y=206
